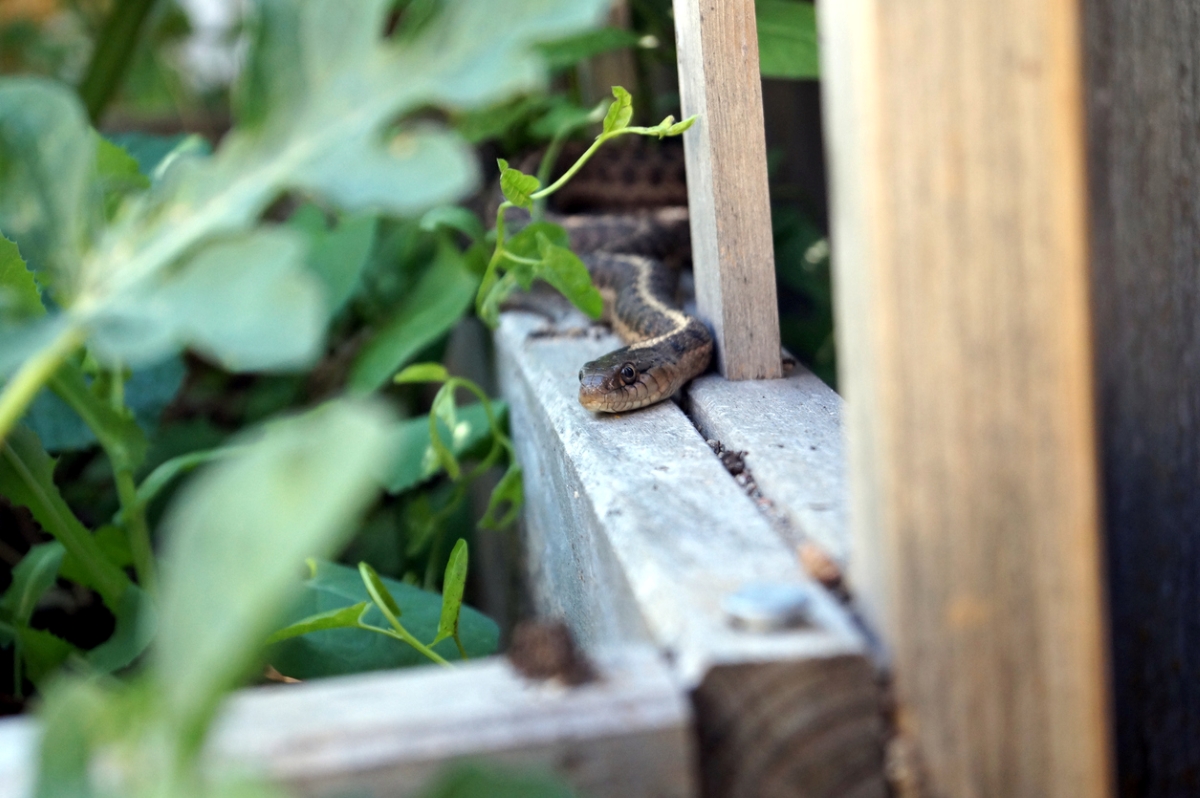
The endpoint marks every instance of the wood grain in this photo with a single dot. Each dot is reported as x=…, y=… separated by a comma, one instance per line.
x=955, y=135
x=732, y=252
x=1144, y=171
x=633, y=530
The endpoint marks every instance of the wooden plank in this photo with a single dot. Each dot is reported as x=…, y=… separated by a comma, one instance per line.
x=387, y=734
x=635, y=531
x=791, y=433
x=1144, y=167
x=956, y=144
x=726, y=152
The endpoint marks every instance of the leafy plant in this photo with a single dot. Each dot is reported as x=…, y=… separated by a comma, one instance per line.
x=787, y=39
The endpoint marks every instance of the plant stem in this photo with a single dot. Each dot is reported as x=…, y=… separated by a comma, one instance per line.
x=137, y=530
x=401, y=633
x=33, y=374
x=583, y=159
x=114, y=50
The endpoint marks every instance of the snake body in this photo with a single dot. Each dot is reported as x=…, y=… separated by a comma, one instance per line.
x=625, y=253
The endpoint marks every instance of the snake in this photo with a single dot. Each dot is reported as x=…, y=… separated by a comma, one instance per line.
x=626, y=255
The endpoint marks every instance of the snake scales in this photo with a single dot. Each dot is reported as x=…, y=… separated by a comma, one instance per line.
x=633, y=255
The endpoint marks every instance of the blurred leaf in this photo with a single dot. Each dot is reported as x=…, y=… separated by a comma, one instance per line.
x=423, y=372
x=118, y=432
x=620, y=112
x=414, y=460
x=248, y=303
x=378, y=591
x=136, y=624
x=75, y=716
x=563, y=115
x=508, y=495
x=340, y=651
x=567, y=52
x=336, y=254
x=430, y=311
x=470, y=780
x=47, y=164
x=456, y=218
x=117, y=175
x=31, y=578
x=27, y=480
x=112, y=542
x=516, y=185
x=20, y=297
x=563, y=269
x=485, y=124
x=333, y=619
x=43, y=652
x=787, y=39
x=453, y=586
x=149, y=149
x=237, y=535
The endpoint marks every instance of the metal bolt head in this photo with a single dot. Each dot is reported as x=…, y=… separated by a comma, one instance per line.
x=767, y=607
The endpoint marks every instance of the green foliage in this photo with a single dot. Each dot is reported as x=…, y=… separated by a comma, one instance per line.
x=569, y=51
x=339, y=627
x=787, y=39
x=471, y=780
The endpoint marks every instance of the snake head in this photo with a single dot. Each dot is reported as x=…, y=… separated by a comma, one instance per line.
x=624, y=380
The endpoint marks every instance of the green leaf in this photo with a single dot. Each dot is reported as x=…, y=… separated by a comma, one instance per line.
x=47, y=163
x=456, y=218
x=563, y=117
x=113, y=544
x=74, y=717
x=423, y=372
x=494, y=121
x=337, y=254
x=444, y=410
x=563, y=269
x=137, y=622
x=248, y=303
x=150, y=150
x=472, y=780
x=118, y=175
x=787, y=39
x=27, y=480
x=569, y=51
x=413, y=459
x=453, y=587
x=680, y=127
x=378, y=591
x=20, y=297
x=342, y=618
x=516, y=185
x=237, y=535
x=429, y=312
x=122, y=438
x=508, y=495
x=620, y=112
x=341, y=651
x=42, y=652
x=31, y=578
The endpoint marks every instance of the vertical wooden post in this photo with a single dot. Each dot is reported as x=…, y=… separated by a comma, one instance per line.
x=960, y=246
x=732, y=252
x=1144, y=176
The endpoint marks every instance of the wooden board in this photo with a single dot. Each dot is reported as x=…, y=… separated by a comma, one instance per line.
x=732, y=252
x=955, y=134
x=387, y=734
x=634, y=530
x=1144, y=170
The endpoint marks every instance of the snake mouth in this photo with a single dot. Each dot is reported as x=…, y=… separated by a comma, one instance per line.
x=616, y=383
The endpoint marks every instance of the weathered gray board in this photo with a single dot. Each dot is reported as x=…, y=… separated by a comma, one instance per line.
x=626, y=735
x=635, y=531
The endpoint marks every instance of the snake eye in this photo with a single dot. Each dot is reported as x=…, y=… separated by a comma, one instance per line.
x=628, y=374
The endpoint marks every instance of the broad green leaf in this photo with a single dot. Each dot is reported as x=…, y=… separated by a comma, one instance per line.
x=494, y=121
x=516, y=185
x=20, y=297
x=563, y=269
x=569, y=51
x=248, y=303
x=430, y=311
x=47, y=163
x=525, y=243
x=565, y=116
x=453, y=586
x=338, y=254
x=423, y=372
x=413, y=459
x=31, y=578
x=473, y=780
x=113, y=544
x=456, y=218
x=237, y=534
x=507, y=496
x=333, y=619
x=27, y=480
x=620, y=112
x=787, y=39
x=149, y=149
x=341, y=651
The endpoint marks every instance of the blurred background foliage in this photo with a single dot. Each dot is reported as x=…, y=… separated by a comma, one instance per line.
x=154, y=72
